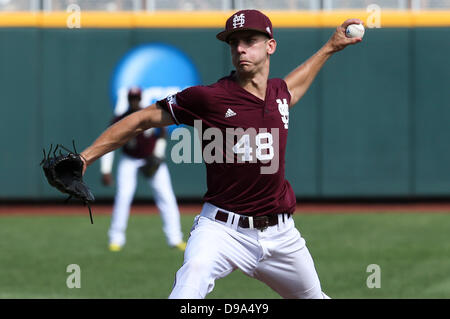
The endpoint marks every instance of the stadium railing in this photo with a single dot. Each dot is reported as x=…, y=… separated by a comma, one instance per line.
x=218, y=5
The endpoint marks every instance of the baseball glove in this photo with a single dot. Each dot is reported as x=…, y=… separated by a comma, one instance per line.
x=65, y=172
x=151, y=165
x=153, y=161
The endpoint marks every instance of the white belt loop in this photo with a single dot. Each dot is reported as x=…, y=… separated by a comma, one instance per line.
x=250, y=222
x=210, y=211
x=235, y=221
x=280, y=220
x=229, y=220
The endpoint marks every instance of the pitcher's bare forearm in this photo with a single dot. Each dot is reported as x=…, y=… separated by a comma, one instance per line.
x=124, y=130
x=301, y=78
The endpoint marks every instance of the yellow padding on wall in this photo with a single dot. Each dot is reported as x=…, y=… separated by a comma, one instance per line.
x=216, y=19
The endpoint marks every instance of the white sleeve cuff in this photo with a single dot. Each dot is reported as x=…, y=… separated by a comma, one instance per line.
x=160, y=148
x=106, y=163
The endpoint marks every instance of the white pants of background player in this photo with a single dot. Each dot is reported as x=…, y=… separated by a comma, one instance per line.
x=127, y=173
x=276, y=256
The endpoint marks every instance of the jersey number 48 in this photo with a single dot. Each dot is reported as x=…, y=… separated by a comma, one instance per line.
x=264, y=147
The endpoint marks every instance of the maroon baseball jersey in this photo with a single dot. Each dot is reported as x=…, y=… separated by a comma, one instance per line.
x=143, y=144
x=237, y=182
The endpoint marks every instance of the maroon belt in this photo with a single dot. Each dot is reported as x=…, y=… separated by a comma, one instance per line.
x=259, y=222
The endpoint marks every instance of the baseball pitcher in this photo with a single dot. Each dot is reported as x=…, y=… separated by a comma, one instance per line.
x=246, y=221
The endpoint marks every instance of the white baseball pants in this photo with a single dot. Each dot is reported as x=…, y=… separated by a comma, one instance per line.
x=276, y=256
x=165, y=200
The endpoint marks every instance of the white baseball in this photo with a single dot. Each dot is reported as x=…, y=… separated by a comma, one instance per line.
x=355, y=31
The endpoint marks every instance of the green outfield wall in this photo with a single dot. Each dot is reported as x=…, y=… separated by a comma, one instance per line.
x=375, y=123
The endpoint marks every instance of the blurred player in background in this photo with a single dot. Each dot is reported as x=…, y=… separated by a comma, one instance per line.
x=145, y=154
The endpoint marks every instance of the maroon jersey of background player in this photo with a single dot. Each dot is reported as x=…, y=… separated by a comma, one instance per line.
x=239, y=187
x=143, y=144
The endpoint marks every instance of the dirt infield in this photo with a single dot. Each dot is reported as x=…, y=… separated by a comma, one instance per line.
x=320, y=208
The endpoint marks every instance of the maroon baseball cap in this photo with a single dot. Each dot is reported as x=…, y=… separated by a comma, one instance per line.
x=246, y=20
x=134, y=92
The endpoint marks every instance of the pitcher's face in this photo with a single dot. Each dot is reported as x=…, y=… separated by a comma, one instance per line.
x=250, y=50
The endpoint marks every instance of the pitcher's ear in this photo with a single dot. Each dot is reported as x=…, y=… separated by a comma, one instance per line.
x=271, y=46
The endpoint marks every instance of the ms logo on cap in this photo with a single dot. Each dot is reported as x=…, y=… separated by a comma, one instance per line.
x=246, y=20
x=238, y=21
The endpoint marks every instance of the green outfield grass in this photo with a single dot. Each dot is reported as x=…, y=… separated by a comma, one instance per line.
x=412, y=250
